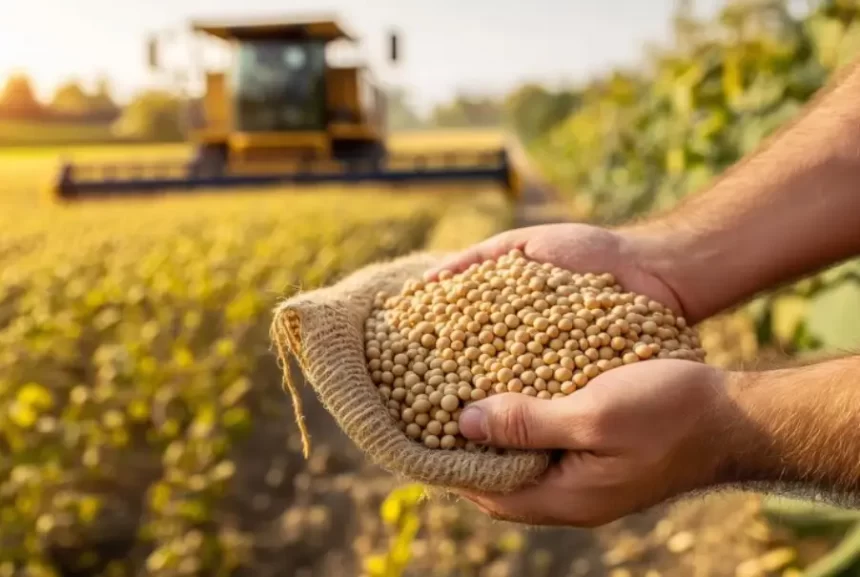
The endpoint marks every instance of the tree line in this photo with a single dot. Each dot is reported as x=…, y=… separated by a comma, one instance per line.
x=529, y=109
x=70, y=101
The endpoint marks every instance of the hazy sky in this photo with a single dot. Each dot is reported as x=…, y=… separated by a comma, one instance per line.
x=476, y=45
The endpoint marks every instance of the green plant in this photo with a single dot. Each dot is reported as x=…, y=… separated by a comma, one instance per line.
x=400, y=512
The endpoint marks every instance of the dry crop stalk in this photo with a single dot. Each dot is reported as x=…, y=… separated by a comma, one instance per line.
x=507, y=325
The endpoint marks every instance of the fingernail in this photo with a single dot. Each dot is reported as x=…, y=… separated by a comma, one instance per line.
x=473, y=425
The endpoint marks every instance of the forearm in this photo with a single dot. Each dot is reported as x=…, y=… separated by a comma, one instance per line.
x=788, y=210
x=794, y=428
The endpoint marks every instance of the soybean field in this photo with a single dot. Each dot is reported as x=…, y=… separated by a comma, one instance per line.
x=143, y=426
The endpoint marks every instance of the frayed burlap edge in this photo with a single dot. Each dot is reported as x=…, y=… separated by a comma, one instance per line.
x=324, y=330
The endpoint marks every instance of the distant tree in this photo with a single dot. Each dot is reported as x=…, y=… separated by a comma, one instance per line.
x=70, y=99
x=532, y=110
x=101, y=100
x=18, y=99
x=152, y=115
x=401, y=114
x=466, y=111
x=449, y=114
x=686, y=27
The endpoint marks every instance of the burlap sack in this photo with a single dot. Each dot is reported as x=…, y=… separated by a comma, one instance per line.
x=324, y=330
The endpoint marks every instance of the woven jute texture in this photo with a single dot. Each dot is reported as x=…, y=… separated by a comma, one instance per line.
x=324, y=330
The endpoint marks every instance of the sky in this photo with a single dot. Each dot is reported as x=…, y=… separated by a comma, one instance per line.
x=447, y=45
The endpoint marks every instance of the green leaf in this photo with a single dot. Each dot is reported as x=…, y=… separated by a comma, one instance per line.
x=788, y=313
x=849, y=47
x=826, y=35
x=35, y=396
x=391, y=509
x=376, y=565
x=837, y=273
x=834, y=316
x=837, y=561
x=88, y=507
x=807, y=516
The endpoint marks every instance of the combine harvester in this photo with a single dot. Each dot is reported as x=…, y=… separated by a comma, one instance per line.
x=283, y=115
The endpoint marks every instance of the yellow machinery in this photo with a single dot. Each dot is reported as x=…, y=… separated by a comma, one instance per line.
x=282, y=114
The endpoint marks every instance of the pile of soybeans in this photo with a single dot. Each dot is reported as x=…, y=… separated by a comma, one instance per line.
x=507, y=325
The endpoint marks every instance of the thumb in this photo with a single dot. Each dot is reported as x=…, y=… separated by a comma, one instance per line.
x=517, y=421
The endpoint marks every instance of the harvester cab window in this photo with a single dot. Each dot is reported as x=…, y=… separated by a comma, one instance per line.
x=280, y=86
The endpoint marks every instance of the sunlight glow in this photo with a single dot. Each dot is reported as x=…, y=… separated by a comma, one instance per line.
x=449, y=45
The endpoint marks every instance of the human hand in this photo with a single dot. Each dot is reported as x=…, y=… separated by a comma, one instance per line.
x=579, y=248
x=635, y=436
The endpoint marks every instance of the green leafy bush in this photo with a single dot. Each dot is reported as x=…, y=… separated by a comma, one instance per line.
x=641, y=141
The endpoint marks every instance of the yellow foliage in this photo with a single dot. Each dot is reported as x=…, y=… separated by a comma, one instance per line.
x=399, y=511
x=133, y=333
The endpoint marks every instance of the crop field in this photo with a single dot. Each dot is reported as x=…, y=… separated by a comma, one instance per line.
x=144, y=430
x=143, y=417
x=27, y=170
x=143, y=425
x=30, y=132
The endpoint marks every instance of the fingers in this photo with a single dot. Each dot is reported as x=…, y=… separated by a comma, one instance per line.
x=491, y=248
x=517, y=421
x=530, y=506
x=537, y=506
x=562, y=496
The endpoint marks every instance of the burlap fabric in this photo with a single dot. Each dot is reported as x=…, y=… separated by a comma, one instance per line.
x=324, y=330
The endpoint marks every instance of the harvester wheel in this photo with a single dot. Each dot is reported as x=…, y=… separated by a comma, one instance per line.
x=211, y=161
x=380, y=152
x=375, y=155
x=360, y=155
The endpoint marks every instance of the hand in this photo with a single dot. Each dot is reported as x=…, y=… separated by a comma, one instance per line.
x=578, y=248
x=635, y=436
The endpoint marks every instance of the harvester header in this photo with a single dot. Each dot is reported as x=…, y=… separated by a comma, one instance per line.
x=283, y=114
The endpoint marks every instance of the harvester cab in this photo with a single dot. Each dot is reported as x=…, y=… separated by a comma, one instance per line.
x=283, y=114
x=283, y=102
